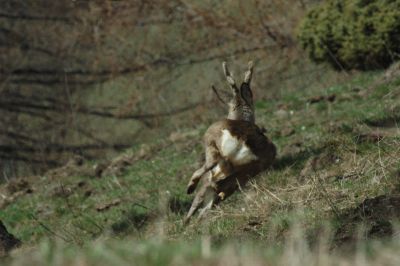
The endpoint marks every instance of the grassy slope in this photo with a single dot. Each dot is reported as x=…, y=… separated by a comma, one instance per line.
x=331, y=158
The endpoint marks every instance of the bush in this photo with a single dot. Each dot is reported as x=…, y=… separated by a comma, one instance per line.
x=353, y=34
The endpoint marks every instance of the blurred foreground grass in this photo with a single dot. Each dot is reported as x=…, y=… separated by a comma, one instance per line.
x=202, y=252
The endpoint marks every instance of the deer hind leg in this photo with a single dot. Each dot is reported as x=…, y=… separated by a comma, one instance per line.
x=223, y=169
x=212, y=158
x=204, y=198
x=208, y=201
x=234, y=180
x=207, y=198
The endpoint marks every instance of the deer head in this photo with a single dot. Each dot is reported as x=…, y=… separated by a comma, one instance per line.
x=240, y=105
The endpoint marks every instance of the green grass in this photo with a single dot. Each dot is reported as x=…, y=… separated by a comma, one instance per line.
x=75, y=215
x=323, y=171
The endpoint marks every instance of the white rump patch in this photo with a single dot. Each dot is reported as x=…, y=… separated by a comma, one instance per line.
x=235, y=150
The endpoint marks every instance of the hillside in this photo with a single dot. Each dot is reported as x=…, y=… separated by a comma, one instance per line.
x=104, y=75
x=335, y=186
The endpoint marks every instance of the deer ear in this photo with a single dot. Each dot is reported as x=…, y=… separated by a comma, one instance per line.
x=249, y=73
x=246, y=93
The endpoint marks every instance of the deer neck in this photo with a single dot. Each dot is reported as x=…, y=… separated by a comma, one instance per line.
x=244, y=113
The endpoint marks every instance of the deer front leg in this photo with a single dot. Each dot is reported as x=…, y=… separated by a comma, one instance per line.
x=212, y=158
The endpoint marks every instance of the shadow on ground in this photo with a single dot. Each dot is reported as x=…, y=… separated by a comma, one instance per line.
x=135, y=218
x=297, y=159
x=178, y=205
x=392, y=120
x=374, y=218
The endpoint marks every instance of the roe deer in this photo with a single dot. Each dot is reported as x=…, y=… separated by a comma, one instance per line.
x=236, y=149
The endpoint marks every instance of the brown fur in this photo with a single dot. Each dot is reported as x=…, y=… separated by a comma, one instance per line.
x=223, y=175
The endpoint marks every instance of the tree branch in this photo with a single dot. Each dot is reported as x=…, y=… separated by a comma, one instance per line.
x=14, y=157
x=33, y=17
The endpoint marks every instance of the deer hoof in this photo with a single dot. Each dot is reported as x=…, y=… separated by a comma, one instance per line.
x=221, y=195
x=190, y=188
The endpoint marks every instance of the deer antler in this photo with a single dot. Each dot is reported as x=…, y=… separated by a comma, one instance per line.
x=217, y=94
x=229, y=78
x=248, y=74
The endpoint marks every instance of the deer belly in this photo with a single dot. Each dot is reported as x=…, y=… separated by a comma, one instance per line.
x=235, y=149
x=216, y=173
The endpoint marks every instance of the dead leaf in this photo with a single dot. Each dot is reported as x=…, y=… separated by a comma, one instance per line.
x=320, y=98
